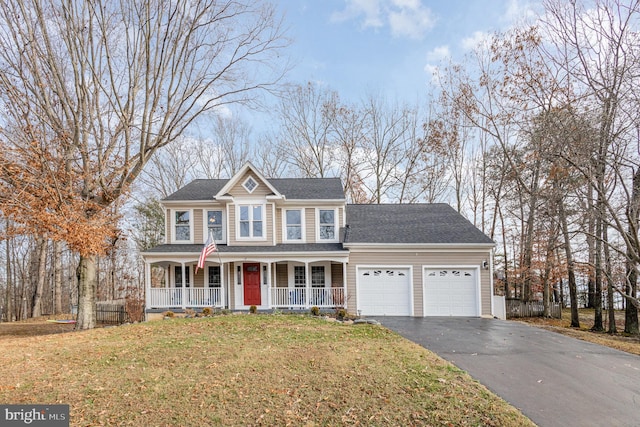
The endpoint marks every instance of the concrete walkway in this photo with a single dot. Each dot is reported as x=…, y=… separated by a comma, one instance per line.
x=553, y=379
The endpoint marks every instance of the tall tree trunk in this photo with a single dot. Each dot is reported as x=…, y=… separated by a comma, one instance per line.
x=597, y=318
x=545, y=279
x=607, y=265
x=591, y=247
x=506, y=257
x=57, y=277
x=568, y=252
x=10, y=296
x=527, y=267
x=631, y=286
x=87, y=288
x=41, y=275
x=24, y=307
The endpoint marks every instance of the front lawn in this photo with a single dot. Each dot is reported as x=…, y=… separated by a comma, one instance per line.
x=245, y=370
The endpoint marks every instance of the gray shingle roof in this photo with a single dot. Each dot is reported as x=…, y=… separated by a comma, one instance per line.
x=199, y=189
x=309, y=188
x=292, y=188
x=410, y=223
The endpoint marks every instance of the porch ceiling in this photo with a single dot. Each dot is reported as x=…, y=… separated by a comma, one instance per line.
x=168, y=254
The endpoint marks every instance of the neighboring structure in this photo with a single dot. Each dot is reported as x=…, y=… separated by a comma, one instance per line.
x=296, y=243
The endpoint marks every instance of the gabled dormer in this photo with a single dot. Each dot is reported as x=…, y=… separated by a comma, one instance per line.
x=249, y=198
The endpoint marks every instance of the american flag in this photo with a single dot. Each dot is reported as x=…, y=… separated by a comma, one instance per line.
x=209, y=248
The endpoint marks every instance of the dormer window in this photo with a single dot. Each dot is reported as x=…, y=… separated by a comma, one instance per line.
x=250, y=184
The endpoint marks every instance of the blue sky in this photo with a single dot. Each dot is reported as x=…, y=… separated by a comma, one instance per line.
x=358, y=47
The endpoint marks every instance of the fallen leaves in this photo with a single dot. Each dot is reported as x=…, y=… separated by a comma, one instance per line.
x=216, y=371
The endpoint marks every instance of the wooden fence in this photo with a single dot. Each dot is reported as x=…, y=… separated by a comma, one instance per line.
x=517, y=308
x=112, y=314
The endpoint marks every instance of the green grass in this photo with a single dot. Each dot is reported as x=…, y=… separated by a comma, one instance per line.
x=245, y=370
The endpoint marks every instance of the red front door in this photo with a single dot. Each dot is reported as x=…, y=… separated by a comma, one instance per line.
x=251, y=276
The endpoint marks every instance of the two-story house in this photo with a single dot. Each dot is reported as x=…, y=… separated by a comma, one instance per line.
x=296, y=243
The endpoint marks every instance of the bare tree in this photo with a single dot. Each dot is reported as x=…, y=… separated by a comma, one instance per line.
x=307, y=116
x=598, y=48
x=113, y=83
x=270, y=157
x=172, y=167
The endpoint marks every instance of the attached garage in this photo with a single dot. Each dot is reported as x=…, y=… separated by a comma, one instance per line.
x=451, y=292
x=384, y=291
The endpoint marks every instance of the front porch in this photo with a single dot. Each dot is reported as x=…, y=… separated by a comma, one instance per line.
x=279, y=297
x=238, y=285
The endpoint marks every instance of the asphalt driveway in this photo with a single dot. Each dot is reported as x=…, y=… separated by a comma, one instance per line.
x=553, y=379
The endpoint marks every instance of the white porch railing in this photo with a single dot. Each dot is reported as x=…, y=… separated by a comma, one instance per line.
x=194, y=297
x=297, y=297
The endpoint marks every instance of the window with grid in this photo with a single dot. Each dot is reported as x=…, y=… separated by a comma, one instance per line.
x=317, y=276
x=178, y=275
x=250, y=221
x=214, y=225
x=294, y=224
x=214, y=276
x=327, y=224
x=299, y=276
x=183, y=225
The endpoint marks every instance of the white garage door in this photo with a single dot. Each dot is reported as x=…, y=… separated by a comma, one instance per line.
x=450, y=292
x=384, y=291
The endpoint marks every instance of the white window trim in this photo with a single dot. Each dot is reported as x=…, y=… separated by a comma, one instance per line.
x=190, y=275
x=244, y=184
x=207, y=284
x=335, y=224
x=291, y=267
x=205, y=225
x=302, y=225
x=262, y=238
x=173, y=226
x=327, y=274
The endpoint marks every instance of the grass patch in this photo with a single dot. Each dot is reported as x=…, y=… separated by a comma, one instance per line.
x=245, y=370
x=619, y=341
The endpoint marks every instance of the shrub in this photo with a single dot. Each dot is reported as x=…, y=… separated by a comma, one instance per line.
x=341, y=313
x=169, y=314
x=207, y=311
x=315, y=311
x=253, y=309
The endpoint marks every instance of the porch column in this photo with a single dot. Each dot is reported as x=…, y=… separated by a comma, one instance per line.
x=269, y=284
x=307, y=290
x=147, y=283
x=344, y=285
x=184, y=286
x=222, y=286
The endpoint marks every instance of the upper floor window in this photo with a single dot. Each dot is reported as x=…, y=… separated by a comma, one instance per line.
x=251, y=221
x=214, y=225
x=183, y=225
x=327, y=224
x=250, y=184
x=294, y=224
